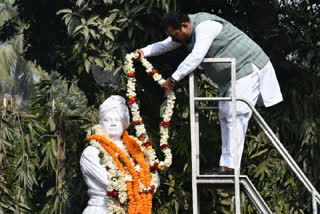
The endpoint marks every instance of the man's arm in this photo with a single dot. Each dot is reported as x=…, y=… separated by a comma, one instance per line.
x=205, y=33
x=160, y=47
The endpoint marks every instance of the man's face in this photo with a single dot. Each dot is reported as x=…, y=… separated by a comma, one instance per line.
x=179, y=35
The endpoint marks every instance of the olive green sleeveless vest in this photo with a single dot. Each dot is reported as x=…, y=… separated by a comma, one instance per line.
x=230, y=43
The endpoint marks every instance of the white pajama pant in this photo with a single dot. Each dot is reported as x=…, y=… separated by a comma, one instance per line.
x=260, y=86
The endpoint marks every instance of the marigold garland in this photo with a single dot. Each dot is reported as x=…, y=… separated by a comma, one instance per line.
x=139, y=185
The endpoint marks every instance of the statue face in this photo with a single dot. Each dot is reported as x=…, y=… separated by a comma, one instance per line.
x=112, y=124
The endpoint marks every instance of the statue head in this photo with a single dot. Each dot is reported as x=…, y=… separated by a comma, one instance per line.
x=114, y=116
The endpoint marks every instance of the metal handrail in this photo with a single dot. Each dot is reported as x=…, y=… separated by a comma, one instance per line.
x=278, y=145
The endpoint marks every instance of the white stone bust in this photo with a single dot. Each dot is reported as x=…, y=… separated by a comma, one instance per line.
x=114, y=117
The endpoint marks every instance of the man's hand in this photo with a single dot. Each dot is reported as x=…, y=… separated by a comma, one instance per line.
x=168, y=86
x=141, y=54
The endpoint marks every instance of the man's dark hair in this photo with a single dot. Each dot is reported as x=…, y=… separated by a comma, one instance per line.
x=173, y=19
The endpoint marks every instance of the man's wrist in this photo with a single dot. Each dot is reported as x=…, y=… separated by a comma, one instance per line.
x=172, y=81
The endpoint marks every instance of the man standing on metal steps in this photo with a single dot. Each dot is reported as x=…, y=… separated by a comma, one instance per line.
x=206, y=35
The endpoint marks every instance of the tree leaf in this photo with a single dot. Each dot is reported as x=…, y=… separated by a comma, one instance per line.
x=87, y=65
x=64, y=11
x=259, y=153
x=52, y=124
x=109, y=35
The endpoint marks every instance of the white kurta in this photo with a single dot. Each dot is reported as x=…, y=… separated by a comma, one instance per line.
x=260, y=86
x=95, y=176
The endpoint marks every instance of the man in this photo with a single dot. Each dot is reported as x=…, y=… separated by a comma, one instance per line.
x=206, y=35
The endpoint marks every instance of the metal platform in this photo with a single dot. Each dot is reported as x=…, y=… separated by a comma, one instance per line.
x=249, y=188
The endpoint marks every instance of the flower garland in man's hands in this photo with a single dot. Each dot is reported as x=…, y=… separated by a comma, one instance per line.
x=137, y=120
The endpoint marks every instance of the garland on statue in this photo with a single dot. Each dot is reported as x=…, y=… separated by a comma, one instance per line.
x=137, y=120
x=131, y=184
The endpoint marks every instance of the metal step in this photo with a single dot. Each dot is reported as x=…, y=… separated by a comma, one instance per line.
x=251, y=191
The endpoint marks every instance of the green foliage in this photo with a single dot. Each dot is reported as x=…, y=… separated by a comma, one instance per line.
x=33, y=149
x=97, y=28
x=16, y=74
x=94, y=36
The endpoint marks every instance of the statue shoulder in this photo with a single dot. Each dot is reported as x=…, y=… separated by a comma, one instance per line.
x=90, y=151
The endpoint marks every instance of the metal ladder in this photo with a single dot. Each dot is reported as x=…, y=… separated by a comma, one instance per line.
x=235, y=179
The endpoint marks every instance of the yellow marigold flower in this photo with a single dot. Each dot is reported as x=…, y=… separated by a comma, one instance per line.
x=149, y=147
x=155, y=74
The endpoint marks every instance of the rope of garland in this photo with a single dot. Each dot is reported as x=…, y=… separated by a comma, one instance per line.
x=141, y=132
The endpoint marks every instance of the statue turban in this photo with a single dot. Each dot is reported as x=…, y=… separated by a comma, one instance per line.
x=118, y=103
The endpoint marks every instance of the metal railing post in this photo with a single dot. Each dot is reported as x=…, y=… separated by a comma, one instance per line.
x=235, y=136
x=314, y=203
x=194, y=142
x=234, y=124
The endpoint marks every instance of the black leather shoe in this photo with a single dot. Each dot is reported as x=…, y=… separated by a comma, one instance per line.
x=219, y=171
x=225, y=172
x=213, y=171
